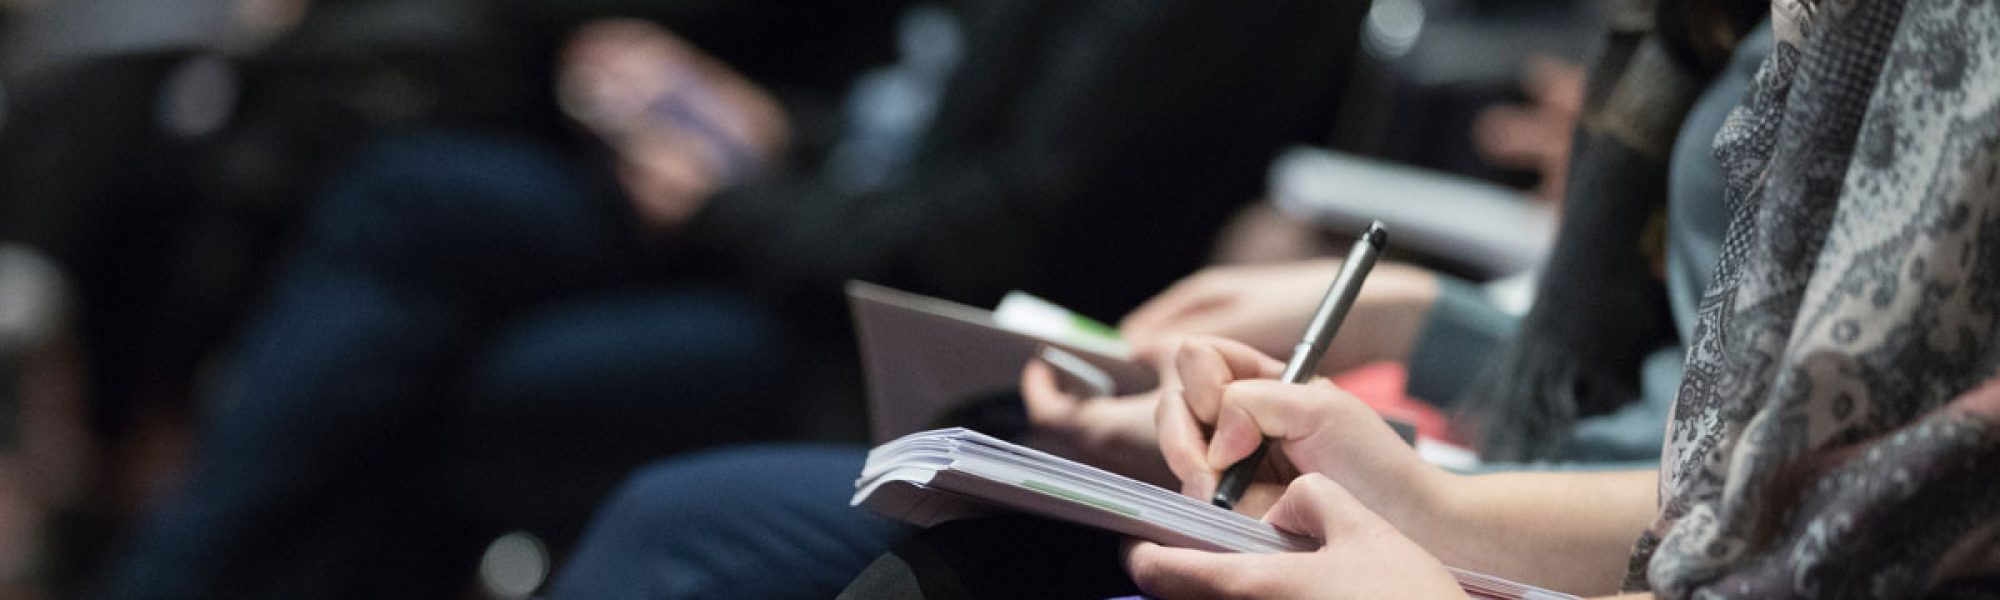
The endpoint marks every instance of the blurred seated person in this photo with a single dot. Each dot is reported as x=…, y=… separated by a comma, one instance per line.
x=1838, y=400
x=159, y=153
x=482, y=332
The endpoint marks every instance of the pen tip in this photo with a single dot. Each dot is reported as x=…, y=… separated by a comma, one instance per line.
x=1377, y=235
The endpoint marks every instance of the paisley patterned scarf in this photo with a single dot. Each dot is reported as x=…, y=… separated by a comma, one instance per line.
x=1831, y=437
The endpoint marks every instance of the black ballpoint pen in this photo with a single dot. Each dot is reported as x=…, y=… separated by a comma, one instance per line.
x=1305, y=357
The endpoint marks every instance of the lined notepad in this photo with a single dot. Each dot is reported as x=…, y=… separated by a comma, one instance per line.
x=935, y=476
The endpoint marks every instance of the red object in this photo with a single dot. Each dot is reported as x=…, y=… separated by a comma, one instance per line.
x=1381, y=386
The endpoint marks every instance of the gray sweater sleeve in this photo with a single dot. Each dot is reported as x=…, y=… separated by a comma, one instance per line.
x=1462, y=328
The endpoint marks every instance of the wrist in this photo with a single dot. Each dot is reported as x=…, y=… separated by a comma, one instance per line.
x=1432, y=510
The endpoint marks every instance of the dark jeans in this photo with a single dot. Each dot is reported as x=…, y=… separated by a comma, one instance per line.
x=774, y=522
x=755, y=522
x=468, y=341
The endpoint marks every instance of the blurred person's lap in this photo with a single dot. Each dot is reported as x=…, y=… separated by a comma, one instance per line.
x=430, y=364
x=746, y=522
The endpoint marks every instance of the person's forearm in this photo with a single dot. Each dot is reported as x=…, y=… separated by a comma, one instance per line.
x=1567, y=531
x=1385, y=322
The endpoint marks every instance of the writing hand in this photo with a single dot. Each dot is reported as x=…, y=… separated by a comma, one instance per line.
x=1229, y=401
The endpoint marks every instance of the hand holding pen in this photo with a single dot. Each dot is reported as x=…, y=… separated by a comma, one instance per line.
x=1230, y=398
x=1312, y=345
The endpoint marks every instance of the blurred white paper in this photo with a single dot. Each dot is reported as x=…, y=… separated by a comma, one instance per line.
x=1495, y=229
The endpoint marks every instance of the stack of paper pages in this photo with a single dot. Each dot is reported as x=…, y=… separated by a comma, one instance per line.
x=934, y=476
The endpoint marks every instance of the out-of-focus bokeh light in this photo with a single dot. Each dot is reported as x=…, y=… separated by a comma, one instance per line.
x=30, y=297
x=198, y=97
x=1393, y=27
x=514, y=566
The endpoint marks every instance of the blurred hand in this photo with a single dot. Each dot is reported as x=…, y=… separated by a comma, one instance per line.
x=1230, y=400
x=1363, y=556
x=1536, y=136
x=1262, y=234
x=1113, y=433
x=682, y=124
x=1267, y=306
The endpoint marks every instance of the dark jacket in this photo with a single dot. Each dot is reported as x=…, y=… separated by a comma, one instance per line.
x=1086, y=151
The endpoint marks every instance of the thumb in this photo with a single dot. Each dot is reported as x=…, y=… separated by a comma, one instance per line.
x=1237, y=435
x=1250, y=411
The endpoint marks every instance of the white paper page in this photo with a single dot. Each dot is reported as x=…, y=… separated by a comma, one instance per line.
x=967, y=467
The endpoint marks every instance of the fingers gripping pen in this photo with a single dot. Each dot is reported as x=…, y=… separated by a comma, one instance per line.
x=1305, y=357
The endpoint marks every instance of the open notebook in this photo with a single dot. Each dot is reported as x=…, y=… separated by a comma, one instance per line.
x=935, y=476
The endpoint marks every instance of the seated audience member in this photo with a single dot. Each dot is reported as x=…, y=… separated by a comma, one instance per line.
x=472, y=337
x=1833, y=435
x=757, y=511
